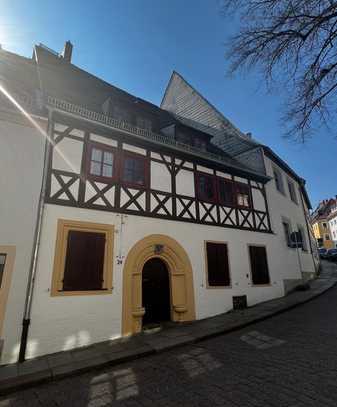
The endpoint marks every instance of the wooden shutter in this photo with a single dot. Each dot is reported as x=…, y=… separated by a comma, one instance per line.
x=84, y=265
x=2, y=266
x=217, y=264
x=226, y=193
x=258, y=260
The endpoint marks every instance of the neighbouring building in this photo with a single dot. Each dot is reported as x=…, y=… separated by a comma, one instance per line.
x=332, y=218
x=116, y=213
x=321, y=223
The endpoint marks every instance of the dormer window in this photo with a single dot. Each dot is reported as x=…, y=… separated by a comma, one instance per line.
x=144, y=123
x=184, y=138
x=200, y=143
x=120, y=113
x=192, y=140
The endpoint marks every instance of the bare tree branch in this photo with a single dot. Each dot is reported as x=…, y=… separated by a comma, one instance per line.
x=293, y=42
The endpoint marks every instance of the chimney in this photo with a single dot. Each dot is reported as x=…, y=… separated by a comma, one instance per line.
x=67, y=51
x=249, y=135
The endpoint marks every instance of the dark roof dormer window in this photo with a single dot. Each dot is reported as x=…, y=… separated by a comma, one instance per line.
x=121, y=113
x=184, y=138
x=144, y=123
x=192, y=140
x=200, y=143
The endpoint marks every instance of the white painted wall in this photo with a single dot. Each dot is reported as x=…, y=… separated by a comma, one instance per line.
x=282, y=206
x=21, y=162
x=60, y=323
x=160, y=177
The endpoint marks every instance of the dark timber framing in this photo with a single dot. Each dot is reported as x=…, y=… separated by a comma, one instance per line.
x=171, y=206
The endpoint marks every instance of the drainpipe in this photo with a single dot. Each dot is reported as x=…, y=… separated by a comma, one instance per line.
x=35, y=250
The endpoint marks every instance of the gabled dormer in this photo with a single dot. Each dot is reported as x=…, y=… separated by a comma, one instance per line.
x=187, y=136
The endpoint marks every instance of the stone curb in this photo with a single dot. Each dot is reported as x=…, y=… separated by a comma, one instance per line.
x=69, y=363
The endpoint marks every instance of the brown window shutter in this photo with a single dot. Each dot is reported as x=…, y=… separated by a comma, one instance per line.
x=84, y=264
x=217, y=262
x=258, y=259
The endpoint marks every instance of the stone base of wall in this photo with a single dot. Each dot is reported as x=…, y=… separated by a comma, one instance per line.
x=306, y=275
x=291, y=284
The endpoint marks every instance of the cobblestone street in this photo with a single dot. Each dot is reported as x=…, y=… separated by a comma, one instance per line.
x=288, y=360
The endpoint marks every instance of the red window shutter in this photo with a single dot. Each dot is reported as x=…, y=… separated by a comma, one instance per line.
x=84, y=265
x=226, y=193
x=206, y=189
x=134, y=170
x=217, y=262
x=2, y=266
x=258, y=259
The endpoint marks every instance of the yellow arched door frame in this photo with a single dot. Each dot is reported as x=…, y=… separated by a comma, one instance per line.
x=181, y=281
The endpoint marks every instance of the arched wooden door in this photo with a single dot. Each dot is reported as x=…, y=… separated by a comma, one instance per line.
x=156, y=292
x=180, y=275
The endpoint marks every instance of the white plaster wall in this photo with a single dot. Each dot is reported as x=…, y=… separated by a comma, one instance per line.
x=160, y=177
x=185, y=183
x=282, y=206
x=21, y=163
x=67, y=155
x=60, y=323
x=258, y=200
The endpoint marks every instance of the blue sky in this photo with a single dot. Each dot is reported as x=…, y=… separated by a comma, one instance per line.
x=135, y=45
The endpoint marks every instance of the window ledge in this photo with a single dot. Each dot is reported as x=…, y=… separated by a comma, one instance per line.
x=77, y=293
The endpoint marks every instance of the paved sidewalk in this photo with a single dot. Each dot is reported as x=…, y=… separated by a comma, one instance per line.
x=69, y=363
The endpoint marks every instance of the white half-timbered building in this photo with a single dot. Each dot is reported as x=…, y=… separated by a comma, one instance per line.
x=116, y=214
